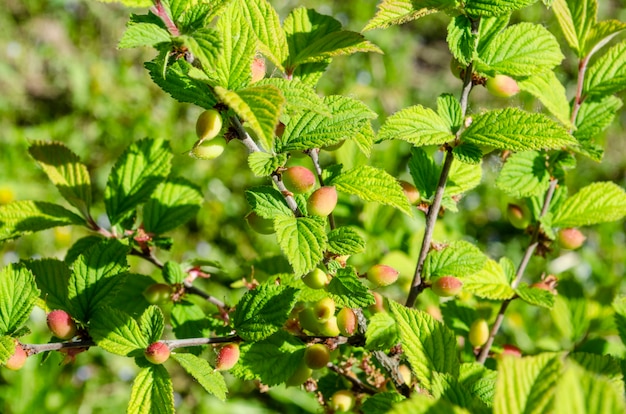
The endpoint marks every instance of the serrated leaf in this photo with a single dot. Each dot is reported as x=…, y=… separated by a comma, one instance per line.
x=488, y=29
x=143, y=34
x=7, y=348
x=422, y=404
x=479, y=381
x=526, y=384
x=152, y=392
x=267, y=202
x=576, y=18
x=550, y=91
x=66, y=172
x=601, y=33
x=608, y=74
x=516, y=130
x=490, y=283
x=424, y=171
x=619, y=305
x=495, y=7
x=418, y=125
x=263, y=164
x=525, y=49
x=152, y=323
x=382, y=402
x=606, y=366
x=596, y=203
x=210, y=379
x=463, y=177
x=594, y=117
x=196, y=16
x=447, y=387
x=347, y=290
x=189, y=321
x=127, y=299
x=96, y=275
x=382, y=332
x=177, y=82
x=259, y=106
x=265, y=23
x=524, y=174
x=173, y=273
x=535, y=296
x=395, y=12
x=116, y=332
x=302, y=240
x=135, y=175
x=22, y=217
x=372, y=184
x=299, y=96
x=468, y=153
x=18, y=294
x=449, y=109
x=459, y=258
x=233, y=66
x=52, y=277
x=345, y=240
x=263, y=311
x=314, y=130
x=206, y=45
x=173, y=202
x=461, y=39
x=428, y=344
x=364, y=139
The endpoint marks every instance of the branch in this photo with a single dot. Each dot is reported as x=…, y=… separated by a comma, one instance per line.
x=357, y=383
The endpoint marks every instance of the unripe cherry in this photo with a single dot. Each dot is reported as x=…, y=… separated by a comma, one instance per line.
x=479, y=333
x=157, y=353
x=324, y=309
x=258, y=69
x=18, y=359
x=158, y=293
x=209, y=150
x=405, y=373
x=322, y=202
x=342, y=401
x=61, y=324
x=519, y=217
x=502, y=86
x=298, y=179
x=209, y=124
x=411, y=192
x=317, y=279
x=446, y=286
x=260, y=224
x=227, y=357
x=301, y=374
x=346, y=322
x=571, y=238
x=308, y=320
x=317, y=356
x=329, y=327
x=382, y=275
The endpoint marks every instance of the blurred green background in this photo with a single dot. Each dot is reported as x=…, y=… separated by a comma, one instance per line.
x=62, y=78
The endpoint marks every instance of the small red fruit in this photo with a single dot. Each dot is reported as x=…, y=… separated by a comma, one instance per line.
x=571, y=238
x=382, y=275
x=317, y=279
x=227, y=357
x=346, y=322
x=61, y=324
x=158, y=293
x=317, y=356
x=502, y=86
x=411, y=192
x=209, y=124
x=511, y=350
x=342, y=401
x=157, y=353
x=479, y=333
x=323, y=201
x=446, y=286
x=258, y=69
x=518, y=216
x=298, y=180
x=18, y=359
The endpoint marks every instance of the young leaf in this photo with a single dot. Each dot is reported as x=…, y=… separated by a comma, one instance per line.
x=239, y=46
x=463, y=177
x=606, y=366
x=299, y=96
x=593, y=118
x=576, y=18
x=152, y=392
x=495, y=7
x=395, y=12
x=619, y=305
x=345, y=240
x=258, y=106
x=18, y=294
x=524, y=174
x=550, y=91
x=22, y=217
x=424, y=171
x=449, y=109
x=211, y=380
x=364, y=139
x=302, y=240
x=382, y=332
x=489, y=28
x=595, y=203
x=52, y=277
x=418, y=125
x=524, y=49
x=173, y=202
x=372, y=184
x=267, y=202
x=461, y=41
x=423, y=404
x=347, y=290
x=116, y=332
x=7, y=348
x=189, y=321
x=479, y=381
x=468, y=153
x=382, y=402
x=516, y=130
x=608, y=74
x=139, y=34
x=428, y=344
x=173, y=273
x=263, y=311
x=458, y=259
x=135, y=175
x=205, y=44
x=152, y=324
x=447, y=387
x=66, y=172
x=535, y=296
x=490, y=283
x=127, y=299
x=263, y=164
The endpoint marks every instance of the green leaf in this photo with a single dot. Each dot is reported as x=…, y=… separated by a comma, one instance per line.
x=535, y=296
x=345, y=240
x=265, y=23
x=127, y=299
x=449, y=109
x=372, y=184
x=479, y=381
x=22, y=217
x=18, y=294
x=382, y=402
x=425, y=172
x=116, y=332
x=315, y=130
x=7, y=348
x=526, y=385
x=461, y=41
x=239, y=46
x=468, y=153
x=52, y=277
x=272, y=360
x=459, y=258
x=593, y=204
x=267, y=202
x=152, y=392
x=180, y=85
x=619, y=305
x=608, y=74
x=263, y=311
x=263, y=164
x=428, y=344
x=550, y=91
x=423, y=404
x=593, y=118
x=447, y=387
x=302, y=240
x=205, y=44
x=299, y=96
x=463, y=177
x=601, y=33
x=495, y=7
x=418, y=125
x=516, y=130
x=606, y=366
x=189, y=321
x=576, y=18
x=130, y=3
x=525, y=49
x=152, y=324
x=364, y=139
x=347, y=290
x=211, y=380
x=173, y=273
x=258, y=106
x=488, y=29
x=382, y=332
x=135, y=175
x=139, y=34
x=66, y=172
x=396, y=12
x=490, y=283
x=96, y=276
x=524, y=174
x=173, y=202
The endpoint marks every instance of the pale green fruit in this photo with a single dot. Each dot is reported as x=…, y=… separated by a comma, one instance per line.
x=209, y=124
x=209, y=150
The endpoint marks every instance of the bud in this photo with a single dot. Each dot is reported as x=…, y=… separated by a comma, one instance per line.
x=411, y=192
x=346, y=322
x=157, y=353
x=342, y=401
x=227, y=357
x=382, y=275
x=518, y=216
x=18, y=359
x=209, y=124
x=317, y=279
x=158, y=293
x=61, y=324
x=446, y=286
x=502, y=86
x=298, y=179
x=317, y=356
x=322, y=202
x=479, y=333
x=571, y=238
